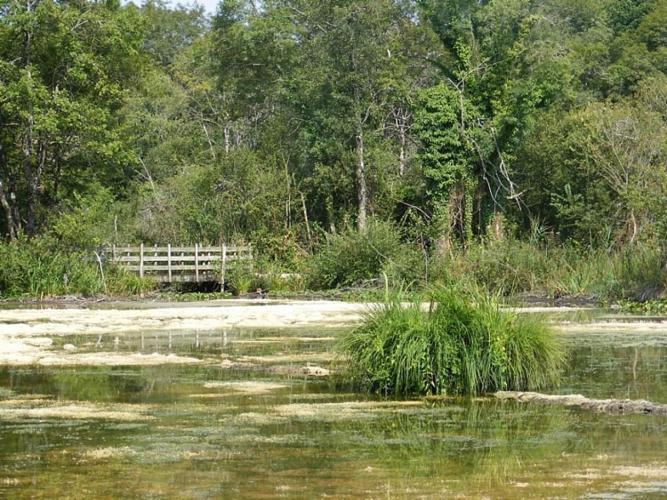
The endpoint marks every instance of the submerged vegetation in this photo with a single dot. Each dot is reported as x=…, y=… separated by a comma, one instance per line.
x=463, y=345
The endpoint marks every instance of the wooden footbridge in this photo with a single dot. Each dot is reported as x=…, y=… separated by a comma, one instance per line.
x=180, y=264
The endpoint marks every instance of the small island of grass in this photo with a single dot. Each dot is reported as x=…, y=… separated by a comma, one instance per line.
x=463, y=344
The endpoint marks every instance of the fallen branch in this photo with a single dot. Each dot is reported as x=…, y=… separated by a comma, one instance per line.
x=613, y=406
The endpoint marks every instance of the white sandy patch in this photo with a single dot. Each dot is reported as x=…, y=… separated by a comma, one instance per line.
x=24, y=333
x=548, y=309
x=647, y=471
x=18, y=352
x=108, y=453
x=342, y=410
x=15, y=352
x=615, y=326
x=281, y=340
x=115, y=359
x=312, y=357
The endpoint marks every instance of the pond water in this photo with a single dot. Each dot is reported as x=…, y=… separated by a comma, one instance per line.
x=246, y=422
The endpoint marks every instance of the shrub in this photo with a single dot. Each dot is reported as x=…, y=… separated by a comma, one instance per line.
x=241, y=277
x=352, y=256
x=461, y=345
x=38, y=268
x=407, y=268
x=512, y=267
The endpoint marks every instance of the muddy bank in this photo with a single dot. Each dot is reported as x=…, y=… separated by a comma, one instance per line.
x=612, y=406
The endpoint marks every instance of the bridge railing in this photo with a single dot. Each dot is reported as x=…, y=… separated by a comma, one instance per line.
x=179, y=263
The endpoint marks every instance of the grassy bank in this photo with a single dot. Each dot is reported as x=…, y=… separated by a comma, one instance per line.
x=39, y=268
x=359, y=266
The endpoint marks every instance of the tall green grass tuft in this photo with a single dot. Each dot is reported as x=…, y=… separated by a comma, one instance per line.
x=464, y=344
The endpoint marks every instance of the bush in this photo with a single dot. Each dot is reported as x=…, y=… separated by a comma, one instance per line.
x=407, y=269
x=39, y=268
x=351, y=257
x=461, y=345
x=241, y=278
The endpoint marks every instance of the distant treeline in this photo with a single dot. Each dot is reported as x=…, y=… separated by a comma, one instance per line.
x=282, y=122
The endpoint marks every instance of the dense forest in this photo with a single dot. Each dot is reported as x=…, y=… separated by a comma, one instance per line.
x=522, y=142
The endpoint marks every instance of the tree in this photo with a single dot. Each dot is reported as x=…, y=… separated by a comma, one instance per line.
x=63, y=71
x=451, y=133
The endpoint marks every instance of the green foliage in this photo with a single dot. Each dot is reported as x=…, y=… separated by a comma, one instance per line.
x=353, y=256
x=64, y=70
x=87, y=224
x=240, y=278
x=657, y=307
x=449, y=128
x=463, y=344
x=230, y=200
x=512, y=267
x=41, y=267
x=274, y=124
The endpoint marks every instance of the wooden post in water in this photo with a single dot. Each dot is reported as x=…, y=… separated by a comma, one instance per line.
x=169, y=261
x=141, y=261
x=197, y=262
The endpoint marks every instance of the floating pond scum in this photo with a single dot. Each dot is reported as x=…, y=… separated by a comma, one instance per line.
x=245, y=421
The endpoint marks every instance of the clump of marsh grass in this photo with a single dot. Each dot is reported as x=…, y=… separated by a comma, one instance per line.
x=463, y=344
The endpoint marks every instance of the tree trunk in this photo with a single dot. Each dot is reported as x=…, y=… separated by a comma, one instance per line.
x=362, y=191
x=227, y=134
x=401, y=157
x=400, y=121
x=11, y=225
x=31, y=180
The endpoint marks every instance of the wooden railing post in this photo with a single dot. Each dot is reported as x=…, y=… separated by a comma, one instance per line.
x=169, y=261
x=222, y=267
x=197, y=262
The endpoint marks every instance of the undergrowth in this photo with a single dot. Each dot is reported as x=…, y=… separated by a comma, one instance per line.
x=40, y=268
x=513, y=267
